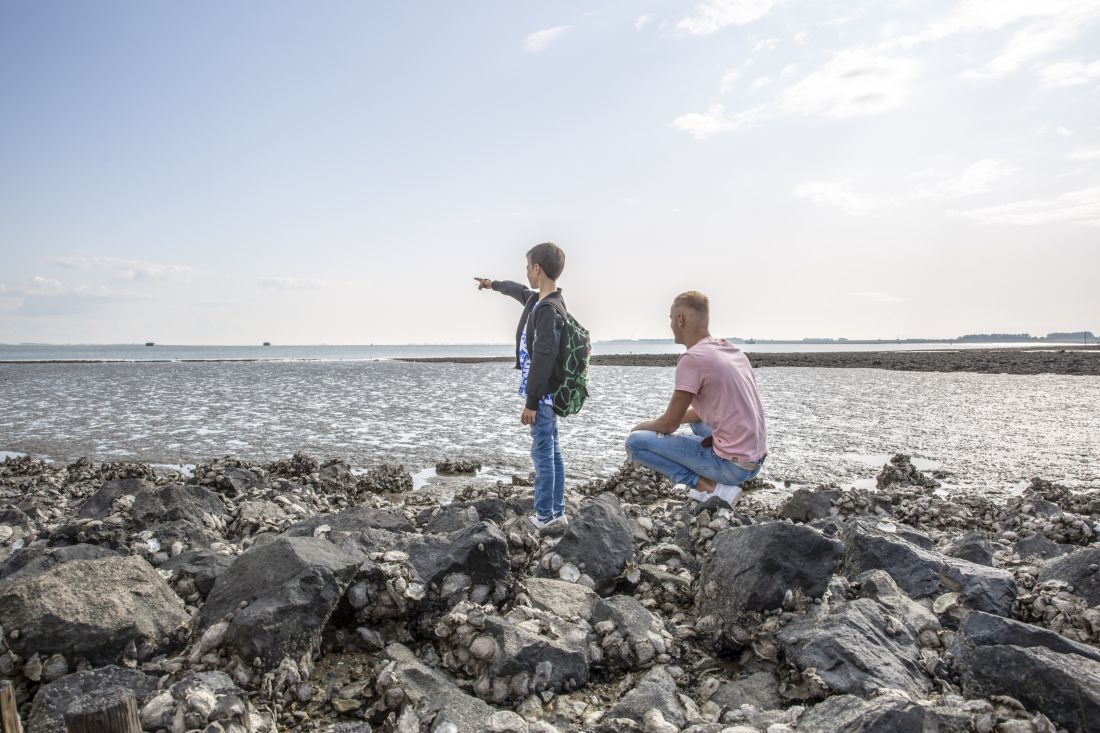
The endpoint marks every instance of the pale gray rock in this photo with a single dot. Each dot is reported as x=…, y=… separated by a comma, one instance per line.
x=92, y=609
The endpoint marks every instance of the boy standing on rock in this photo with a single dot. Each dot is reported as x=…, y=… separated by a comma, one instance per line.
x=716, y=395
x=538, y=338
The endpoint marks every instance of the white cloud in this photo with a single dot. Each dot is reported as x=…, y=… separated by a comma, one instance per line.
x=836, y=194
x=703, y=125
x=768, y=44
x=878, y=297
x=126, y=269
x=856, y=82
x=730, y=80
x=715, y=15
x=1032, y=42
x=801, y=36
x=643, y=21
x=760, y=83
x=1085, y=154
x=300, y=283
x=46, y=297
x=979, y=177
x=539, y=40
x=979, y=16
x=1050, y=24
x=1070, y=74
x=1074, y=207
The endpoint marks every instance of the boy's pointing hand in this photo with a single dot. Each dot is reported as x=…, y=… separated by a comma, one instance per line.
x=484, y=283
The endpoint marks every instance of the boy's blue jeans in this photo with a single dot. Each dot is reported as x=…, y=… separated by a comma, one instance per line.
x=549, y=465
x=683, y=458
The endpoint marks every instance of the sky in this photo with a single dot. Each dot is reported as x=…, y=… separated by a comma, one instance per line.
x=338, y=172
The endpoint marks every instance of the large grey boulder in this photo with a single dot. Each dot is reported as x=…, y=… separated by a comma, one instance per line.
x=29, y=561
x=290, y=587
x=656, y=690
x=50, y=703
x=1042, y=669
x=887, y=713
x=1077, y=570
x=431, y=692
x=92, y=609
x=1064, y=687
x=920, y=572
x=479, y=551
x=852, y=651
x=599, y=539
x=751, y=568
x=984, y=629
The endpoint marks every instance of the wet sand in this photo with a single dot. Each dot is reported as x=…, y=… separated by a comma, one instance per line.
x=1082, y=360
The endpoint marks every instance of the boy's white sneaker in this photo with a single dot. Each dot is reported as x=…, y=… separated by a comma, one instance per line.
x=560, y=519
x=727, y=493
x=539, y=524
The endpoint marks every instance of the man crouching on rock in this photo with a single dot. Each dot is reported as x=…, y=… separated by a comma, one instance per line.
x=716, y=395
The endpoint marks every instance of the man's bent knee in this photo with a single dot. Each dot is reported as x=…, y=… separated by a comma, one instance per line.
x=635, y=440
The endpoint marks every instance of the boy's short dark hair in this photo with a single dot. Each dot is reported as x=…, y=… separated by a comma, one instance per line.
x=549, y=257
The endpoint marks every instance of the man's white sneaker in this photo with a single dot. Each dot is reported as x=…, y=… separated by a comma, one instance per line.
x=727, y=493
x=560, y=519
x=699, y=496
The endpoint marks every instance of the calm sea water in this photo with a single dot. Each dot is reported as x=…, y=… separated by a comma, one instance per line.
x=139, y=352
x=840, y=425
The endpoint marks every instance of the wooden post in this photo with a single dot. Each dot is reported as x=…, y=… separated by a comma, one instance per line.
x=117, y=714
x=9, y=712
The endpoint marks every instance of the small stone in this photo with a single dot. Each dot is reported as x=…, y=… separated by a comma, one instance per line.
x=343, y=705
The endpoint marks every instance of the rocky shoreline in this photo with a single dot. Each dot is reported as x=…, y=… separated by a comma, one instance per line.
x=299, y=596
x=1082, y=361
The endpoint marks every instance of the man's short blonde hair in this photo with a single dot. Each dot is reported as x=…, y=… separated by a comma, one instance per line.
x=694, y=300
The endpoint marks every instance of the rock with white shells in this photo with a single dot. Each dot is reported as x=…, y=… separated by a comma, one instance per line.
x=626, y=636
x=406, y=682
x=525, y=652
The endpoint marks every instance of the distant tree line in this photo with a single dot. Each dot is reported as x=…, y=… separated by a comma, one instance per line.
x=1056, y=336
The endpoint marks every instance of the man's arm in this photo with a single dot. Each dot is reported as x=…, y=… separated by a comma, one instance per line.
x=690, y=416
x=677, y=408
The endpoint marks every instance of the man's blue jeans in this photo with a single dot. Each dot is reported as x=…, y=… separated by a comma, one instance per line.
x=549, y=465
x=683, y=458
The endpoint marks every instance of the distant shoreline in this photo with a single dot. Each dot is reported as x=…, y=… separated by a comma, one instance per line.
x=1083, y=360
x=1073, y=360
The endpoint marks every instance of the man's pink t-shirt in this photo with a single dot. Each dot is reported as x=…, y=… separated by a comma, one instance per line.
x=726, y=398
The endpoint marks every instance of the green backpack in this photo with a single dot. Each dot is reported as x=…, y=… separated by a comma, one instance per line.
x=572, y=366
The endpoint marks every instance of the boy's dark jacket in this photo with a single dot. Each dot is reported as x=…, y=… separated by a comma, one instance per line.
x=543, y=339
